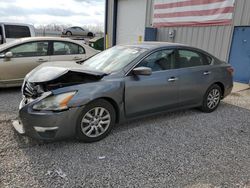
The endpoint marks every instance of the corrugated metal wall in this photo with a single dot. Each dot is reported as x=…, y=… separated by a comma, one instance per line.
x=212, y=39
x=215, y=39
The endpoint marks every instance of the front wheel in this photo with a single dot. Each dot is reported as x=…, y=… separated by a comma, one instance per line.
x=96, y=121
x=211, y=99
x=68, y=33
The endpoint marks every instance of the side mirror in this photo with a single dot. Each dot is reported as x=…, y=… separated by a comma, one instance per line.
x=8, y=55
x=142, y=71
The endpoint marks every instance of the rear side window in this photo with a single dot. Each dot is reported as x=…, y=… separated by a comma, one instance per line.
x=207, y=60
x=16, y=31
x=67, y=48
x=188, y=58
x=80, y=28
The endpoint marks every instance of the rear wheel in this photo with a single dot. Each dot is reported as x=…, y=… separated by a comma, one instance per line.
x=90, y=34
x=212, y=98
x=96, y=121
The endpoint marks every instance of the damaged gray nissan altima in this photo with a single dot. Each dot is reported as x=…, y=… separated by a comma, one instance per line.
x=85, y=100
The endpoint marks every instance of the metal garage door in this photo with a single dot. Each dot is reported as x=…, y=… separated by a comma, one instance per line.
x=240, y=54
x=131, y=18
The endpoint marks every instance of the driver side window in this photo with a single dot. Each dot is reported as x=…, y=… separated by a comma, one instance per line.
x=158, y=61
x=31, y=49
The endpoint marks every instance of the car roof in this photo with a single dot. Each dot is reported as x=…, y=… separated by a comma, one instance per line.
x=153, y=45
x=31, y=39
x=19, y=24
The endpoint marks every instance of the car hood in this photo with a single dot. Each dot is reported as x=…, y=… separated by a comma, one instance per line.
x=53, y=70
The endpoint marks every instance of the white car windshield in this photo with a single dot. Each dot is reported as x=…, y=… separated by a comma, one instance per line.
x=114, y=58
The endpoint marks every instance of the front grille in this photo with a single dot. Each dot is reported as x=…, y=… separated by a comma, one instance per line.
x=32, y=90
x=29, y=90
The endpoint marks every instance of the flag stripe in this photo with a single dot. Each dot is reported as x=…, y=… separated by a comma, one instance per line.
x=194, y=23
x=192, y=12
x=195, y=13
x=195, y=18
x=196, y=7
x=185, y=3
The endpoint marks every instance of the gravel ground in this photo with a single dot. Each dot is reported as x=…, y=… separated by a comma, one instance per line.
x=9, y=101
x=180, y=149
x=241, y=99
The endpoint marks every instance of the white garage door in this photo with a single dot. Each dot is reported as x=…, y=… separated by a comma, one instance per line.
x=131, y=18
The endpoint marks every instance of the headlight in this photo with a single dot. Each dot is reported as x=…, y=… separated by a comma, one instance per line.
x=55, y=102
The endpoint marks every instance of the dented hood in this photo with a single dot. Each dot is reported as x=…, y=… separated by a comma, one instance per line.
x=53, y=70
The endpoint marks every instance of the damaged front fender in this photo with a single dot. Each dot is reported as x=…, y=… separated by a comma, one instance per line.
x=92, y=91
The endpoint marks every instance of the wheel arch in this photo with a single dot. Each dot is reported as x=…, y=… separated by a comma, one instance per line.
x=221, y=85
x=90, y=33
x=114, y=104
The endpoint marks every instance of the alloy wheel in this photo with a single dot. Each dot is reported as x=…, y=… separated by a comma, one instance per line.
x=95, y=122
x=213, y=98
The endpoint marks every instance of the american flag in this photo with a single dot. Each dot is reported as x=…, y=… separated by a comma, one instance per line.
x=192, y=12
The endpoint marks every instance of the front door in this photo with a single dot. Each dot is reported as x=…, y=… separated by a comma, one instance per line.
x=240, y=54
x=155, y=92
x=25, y=58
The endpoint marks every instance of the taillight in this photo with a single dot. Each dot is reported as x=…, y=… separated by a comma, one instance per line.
x=230, y=70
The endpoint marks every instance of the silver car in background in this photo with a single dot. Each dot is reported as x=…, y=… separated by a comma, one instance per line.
x=77, y=31
x=85, y=101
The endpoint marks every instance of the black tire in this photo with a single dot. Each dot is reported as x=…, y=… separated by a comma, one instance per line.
x=68, y=33
x=90, y=34
x=100, y=103
x=207, y=98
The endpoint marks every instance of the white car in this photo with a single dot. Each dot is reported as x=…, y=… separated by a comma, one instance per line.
x=19, y=57
x=77, y=31
x=13, y=31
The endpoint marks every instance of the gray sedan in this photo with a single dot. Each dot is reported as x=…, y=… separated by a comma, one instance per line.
x=66, y=99
x=77, y=31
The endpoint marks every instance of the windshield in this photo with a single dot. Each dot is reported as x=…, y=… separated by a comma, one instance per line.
x=114, y=58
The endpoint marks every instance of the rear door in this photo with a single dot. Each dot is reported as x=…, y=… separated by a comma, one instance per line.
x=67, y=51
x=26, y=57
x=195, y=75
x=158, y=91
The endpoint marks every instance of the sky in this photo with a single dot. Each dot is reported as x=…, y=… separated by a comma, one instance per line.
x=44, y=12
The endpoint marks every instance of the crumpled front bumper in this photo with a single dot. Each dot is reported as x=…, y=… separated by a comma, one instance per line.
x=47, y=125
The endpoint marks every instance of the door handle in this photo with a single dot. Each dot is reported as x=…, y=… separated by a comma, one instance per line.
x=41, y=60
x=172, y=79
x=207, y=72
x=77, y=58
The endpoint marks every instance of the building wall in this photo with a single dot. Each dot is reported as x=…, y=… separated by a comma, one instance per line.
x=146, y=11
x=214, y=39
x=109, y=34
x=131, y=19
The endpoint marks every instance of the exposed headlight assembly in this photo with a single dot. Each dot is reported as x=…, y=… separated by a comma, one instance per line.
x=55, y=102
